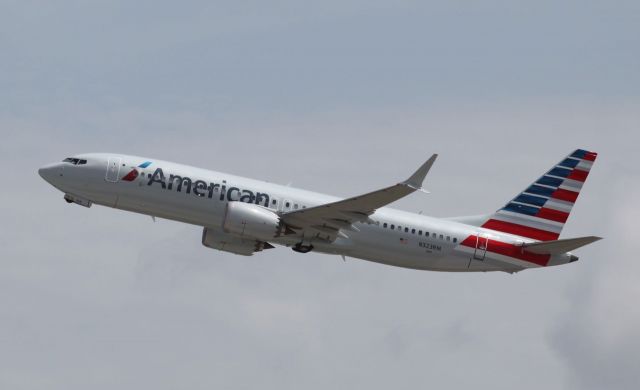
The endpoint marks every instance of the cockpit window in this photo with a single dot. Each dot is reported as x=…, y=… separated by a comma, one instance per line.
x=74, y=161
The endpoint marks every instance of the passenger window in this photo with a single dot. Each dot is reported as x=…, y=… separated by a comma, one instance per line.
x=441, y=236
x=273, y=202
x=433, y=235
x=295, y=206
x=393, y=227
x=448, y=238
x=455, y=239
x=413, y=231
x=287, y=205
x=406, y=230
x=419, y=232
x=384, y=225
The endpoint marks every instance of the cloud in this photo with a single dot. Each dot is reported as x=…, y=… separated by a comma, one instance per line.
x=111, y=294
x=599, y=335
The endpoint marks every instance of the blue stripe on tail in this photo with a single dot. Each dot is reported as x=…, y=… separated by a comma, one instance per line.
x=569, y=163
x=530, y=199
x=522, y=209
x=550, y=181
x=539, y=190
x=560, y=172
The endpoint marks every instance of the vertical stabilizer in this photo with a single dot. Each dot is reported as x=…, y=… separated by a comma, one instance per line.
x=540, y=211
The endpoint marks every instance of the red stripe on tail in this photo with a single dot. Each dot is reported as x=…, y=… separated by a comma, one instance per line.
x=569, y=196
x=520, y=230
x=552, y=215
x=578, y=175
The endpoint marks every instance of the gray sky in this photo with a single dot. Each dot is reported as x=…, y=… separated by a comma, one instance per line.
x=339, y=97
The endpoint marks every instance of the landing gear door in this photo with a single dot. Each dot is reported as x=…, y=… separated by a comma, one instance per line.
x=113, y=169
x=482, y=243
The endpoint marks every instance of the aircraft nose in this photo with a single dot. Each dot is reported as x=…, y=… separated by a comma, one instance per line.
x=49, y=172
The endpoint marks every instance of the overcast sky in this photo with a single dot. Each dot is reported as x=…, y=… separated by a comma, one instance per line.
x=340, y=97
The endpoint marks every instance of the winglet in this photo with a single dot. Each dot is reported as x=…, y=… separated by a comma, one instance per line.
x=415, y=181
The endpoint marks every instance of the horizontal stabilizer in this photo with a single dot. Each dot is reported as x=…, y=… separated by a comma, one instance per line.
x=559, y=246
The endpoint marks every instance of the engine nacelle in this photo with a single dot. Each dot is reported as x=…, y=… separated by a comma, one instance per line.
x=251, y=220
x=217, y=239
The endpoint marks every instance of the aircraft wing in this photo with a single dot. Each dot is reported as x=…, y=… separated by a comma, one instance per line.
x=328, y=220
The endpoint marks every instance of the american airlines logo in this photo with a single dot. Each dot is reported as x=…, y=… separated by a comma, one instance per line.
x=204, y=189
x=131, y=176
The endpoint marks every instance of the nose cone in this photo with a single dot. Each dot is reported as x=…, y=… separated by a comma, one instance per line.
x=50, y=172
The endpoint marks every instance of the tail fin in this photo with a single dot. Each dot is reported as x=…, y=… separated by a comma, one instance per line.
x=541, y=210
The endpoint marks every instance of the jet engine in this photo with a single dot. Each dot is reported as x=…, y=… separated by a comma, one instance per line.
x=217, y=239
x=251, y=220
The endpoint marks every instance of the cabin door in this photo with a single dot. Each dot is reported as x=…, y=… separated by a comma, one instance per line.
x=482, y=243
x=113, y=169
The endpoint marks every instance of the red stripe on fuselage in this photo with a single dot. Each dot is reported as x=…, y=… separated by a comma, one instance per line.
x=566, y=195
x=552, y=215
x=520, y=230
x=510, y=250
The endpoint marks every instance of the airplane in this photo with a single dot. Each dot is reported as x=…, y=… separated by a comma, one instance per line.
x=244, y=216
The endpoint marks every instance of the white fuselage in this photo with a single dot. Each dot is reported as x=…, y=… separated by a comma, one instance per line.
x=415, y=241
